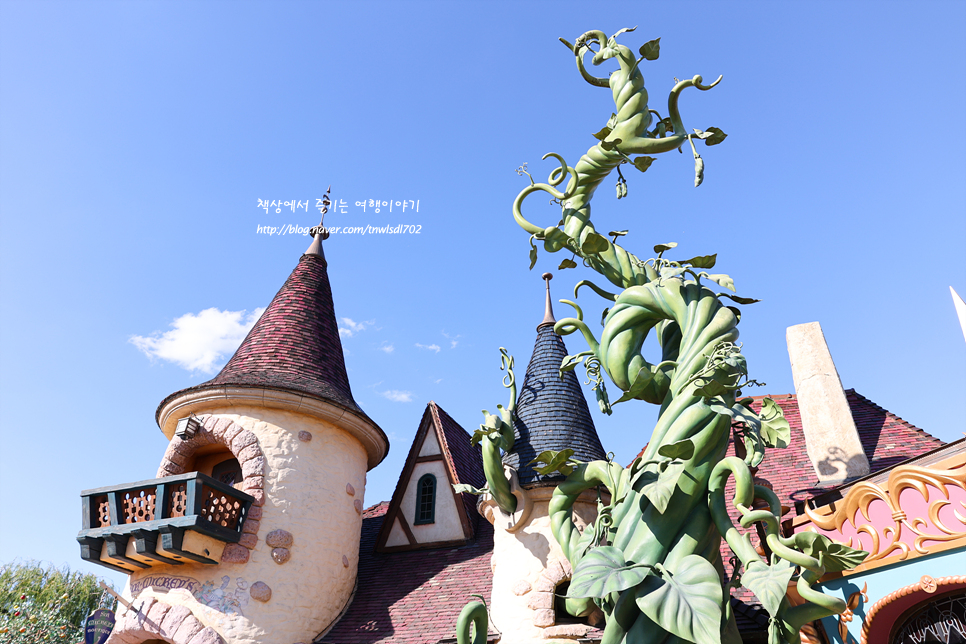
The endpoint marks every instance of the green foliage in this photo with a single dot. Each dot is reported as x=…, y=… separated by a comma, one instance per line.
x=717, y=136
x=463, y=487
x=567, y=263
x=555, y=462
x=683, y=449
x=603, y=133
x=643, y=163
x=769, y=583
x=602, y=572
x=651, y=49
x=45, y=604
x=685, y=600
x=660, y=487
x=594, y=244
x=702, y=261
x=774, y=428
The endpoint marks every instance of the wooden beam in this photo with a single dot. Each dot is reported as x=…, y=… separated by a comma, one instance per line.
x=429, y=458
x=406, y=529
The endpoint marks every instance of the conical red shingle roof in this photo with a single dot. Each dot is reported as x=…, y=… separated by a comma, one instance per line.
x=295, y=345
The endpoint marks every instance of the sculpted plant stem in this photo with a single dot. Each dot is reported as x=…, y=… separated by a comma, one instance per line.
x=651, y=559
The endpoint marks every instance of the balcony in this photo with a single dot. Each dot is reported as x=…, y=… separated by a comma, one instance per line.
x=170, y=521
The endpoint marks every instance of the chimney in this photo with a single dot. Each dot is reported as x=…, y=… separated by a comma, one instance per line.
x=831, y=438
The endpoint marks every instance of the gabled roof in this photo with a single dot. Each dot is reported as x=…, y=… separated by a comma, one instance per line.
x=552, y=412
x=465, y=459
x=412, y=597
x=463, y=464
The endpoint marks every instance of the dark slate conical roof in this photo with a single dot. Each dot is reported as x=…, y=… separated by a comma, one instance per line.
x=552, y=412
x=295, y=345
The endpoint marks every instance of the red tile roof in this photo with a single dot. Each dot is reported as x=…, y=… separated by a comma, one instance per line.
x=412, y=597
x=295, y=344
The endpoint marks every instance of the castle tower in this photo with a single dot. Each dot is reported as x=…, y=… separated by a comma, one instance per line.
x=528, y=564
x=280, y=424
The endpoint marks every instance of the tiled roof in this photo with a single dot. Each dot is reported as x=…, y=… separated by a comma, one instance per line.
x=552, y=412
x=295, y=344
x=886, y=438
x=465, y=459
x=412, y=597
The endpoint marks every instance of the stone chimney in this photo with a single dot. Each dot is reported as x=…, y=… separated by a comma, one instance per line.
x=831, y=438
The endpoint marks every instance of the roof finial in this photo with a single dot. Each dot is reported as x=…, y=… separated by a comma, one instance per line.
x=548, y=312
x=319, y=232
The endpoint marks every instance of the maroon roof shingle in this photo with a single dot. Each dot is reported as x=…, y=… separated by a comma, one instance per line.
x=412, y=597
x=294, y=346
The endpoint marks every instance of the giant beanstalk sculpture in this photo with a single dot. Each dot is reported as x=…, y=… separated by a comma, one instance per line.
x=651, y=560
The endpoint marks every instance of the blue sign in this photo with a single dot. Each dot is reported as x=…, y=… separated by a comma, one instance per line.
x=99, y=626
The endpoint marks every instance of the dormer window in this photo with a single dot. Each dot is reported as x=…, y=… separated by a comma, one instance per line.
x=426, y=500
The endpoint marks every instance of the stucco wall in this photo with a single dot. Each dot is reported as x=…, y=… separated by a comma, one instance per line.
x=525, y=564
x=314, y=490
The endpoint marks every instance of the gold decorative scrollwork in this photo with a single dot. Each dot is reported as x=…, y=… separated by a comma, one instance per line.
x=886, y=540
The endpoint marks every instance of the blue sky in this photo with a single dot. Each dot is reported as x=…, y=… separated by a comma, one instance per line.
x=137, y=138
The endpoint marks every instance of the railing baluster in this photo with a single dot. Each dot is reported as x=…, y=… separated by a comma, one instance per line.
x=88, y=519
x=113, y=508
x=161, y=501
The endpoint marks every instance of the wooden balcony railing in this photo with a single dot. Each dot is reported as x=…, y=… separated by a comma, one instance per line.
x=166, y=521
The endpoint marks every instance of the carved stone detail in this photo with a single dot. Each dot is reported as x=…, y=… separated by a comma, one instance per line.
x=260, y=591
x=279, y=539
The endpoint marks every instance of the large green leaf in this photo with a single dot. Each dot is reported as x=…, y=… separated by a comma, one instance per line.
x=533, y=255
x=683, y=449
x=739, y=299
x=594, y=243
x=567, y=263
x=651, y=49
x=717, y=136
x=603, y=134
x=643, y=163
x=661, y=487
x=660, y=248
x=685, y=601
x=609, y=145
x=463, y=487
x=603, y=571
x=723, y=280
x=702, y=261
x=570, y=362
x=555, y=462
x=774, y=428
x=669, y=272
x=838, y=557
x=769, y=583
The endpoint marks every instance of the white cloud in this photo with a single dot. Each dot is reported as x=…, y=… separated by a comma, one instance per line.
x=430, y=347
x=199, y=342
x=438, y=380
x=453, y=339
x=397, y=396
x=349, y=327
x=388, y=348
